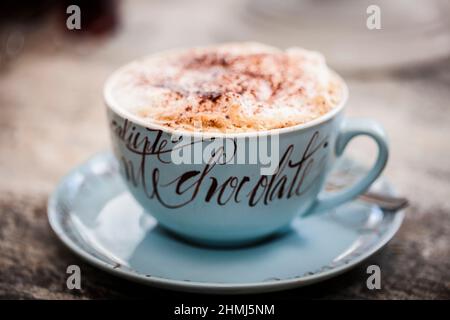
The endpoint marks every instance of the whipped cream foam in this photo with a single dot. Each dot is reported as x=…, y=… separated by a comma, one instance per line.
x=236, y=87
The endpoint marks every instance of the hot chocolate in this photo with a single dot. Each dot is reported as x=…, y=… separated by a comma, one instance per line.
x=236, y=87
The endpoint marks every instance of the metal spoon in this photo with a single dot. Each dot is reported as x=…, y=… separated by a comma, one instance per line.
x=384, y=202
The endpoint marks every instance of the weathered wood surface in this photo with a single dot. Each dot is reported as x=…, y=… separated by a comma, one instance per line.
x=52, y=118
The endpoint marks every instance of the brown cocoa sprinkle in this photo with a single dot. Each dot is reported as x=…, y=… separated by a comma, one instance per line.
x=212, y=96
x=233, y=87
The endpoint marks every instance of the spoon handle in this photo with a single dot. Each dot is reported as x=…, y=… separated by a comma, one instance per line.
x=385, y=202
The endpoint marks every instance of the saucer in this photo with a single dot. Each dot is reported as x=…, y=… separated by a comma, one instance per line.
x=92, y=212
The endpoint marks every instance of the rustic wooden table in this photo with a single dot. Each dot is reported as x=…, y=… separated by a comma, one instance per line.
x=52, y=118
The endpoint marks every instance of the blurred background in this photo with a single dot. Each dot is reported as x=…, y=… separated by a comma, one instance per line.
x=52, y=115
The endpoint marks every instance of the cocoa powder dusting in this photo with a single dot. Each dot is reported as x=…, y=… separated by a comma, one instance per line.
x=237, y=87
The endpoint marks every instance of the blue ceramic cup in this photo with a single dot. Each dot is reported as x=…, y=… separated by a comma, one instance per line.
x=218, y=201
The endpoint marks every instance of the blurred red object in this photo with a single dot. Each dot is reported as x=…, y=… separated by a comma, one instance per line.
x=98, y=17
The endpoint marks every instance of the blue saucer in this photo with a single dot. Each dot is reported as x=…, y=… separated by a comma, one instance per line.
x=94, y=215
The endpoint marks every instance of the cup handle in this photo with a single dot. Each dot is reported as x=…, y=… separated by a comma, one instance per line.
x=350, y=129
